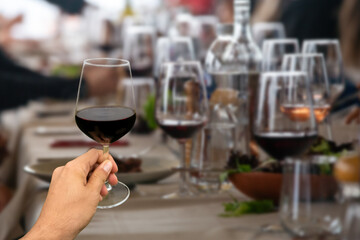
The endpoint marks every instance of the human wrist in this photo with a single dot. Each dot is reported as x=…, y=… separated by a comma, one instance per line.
x=47, y=232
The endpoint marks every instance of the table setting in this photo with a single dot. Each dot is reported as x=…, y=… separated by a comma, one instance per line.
x=227, y=142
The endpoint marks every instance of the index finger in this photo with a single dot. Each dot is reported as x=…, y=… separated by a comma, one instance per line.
x=94, y=156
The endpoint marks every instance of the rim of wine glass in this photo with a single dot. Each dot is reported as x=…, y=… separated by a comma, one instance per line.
x=284, y=74
x=305, y=55
x=180, y=63
x=122, y=62
x=281, y=41
x=324, y=41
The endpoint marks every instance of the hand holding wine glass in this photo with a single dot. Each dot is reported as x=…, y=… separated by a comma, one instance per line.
x=108, y=119
x=181, y=106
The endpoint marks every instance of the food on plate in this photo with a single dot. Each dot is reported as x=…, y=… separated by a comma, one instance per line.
x=326, y=147
x=128, y=164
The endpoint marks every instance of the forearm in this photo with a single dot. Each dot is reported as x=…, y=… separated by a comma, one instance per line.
x=42, y=231
x=17, y=89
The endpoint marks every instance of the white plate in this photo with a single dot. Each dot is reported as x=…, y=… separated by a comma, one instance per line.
x=153, y=170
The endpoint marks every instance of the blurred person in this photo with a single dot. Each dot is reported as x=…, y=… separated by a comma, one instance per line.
x=20, y=84
x=74, y=193
x=350, y=44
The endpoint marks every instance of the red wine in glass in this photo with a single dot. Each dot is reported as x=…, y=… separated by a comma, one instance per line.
x=105, y=124
x=183, y=129
x=280, y=145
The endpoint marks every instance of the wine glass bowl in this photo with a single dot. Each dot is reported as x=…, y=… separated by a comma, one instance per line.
x=330, y=48
x=278, y=128
x=273, y=51
x=107, y=119
x=313, y=64
x=139, y=48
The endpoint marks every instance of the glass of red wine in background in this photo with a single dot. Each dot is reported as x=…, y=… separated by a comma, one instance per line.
x=182, y=108
x=276, y=130
x=106, y=119
x=314, y=65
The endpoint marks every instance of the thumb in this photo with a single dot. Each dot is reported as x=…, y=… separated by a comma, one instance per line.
x=99, y=176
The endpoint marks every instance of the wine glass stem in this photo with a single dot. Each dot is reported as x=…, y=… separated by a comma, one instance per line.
x=183, y=187
x=106, y=157
x=327, y=122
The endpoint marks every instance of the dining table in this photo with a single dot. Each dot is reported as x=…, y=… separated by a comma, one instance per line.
x=34, y=131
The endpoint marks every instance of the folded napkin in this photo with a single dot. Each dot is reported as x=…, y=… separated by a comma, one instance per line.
x=85, y=143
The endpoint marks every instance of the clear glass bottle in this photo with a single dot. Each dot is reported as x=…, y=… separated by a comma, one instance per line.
x=234, y=70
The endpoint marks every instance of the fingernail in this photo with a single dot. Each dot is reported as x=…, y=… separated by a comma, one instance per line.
x=107, y=167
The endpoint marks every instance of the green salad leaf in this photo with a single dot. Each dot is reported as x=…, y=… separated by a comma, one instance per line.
x=149, y=112
x=240, y=168
x=237, y=208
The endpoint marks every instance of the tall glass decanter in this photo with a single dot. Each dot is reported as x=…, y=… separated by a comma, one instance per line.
x=234, y=69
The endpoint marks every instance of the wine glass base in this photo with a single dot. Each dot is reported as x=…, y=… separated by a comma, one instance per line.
x=180, y=194
x=116, y=196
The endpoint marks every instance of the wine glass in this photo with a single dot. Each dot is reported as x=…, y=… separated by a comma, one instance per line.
x=273, y=51
x=268, y=30
x=330, y=48
x=275, y=129
x=106, y=119
x=139, y=47
x=182, y=108
x=314, y=65
x=308, y=192
x=173, y=49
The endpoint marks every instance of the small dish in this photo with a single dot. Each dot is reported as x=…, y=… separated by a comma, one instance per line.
x=153, y=170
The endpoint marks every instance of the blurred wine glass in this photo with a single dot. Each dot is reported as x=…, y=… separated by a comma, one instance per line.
x=314, y=66
x=182, y=109
x=206, y=33
x=308, y=192
x=273, y=51
x=276, y=128
x=330, y=48
x=268, y=30
x=144, y=89
x=351, y=222
x=173, y=49
x=139, y=47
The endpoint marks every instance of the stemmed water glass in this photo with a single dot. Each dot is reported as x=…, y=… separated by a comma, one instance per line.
x=139, y=45
x=313, y=64
x=275, y=130
x=268, y=30
x=106, y=119
x=330, y=48
x=173, y=49
x=273, y=51
x=182, y=108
